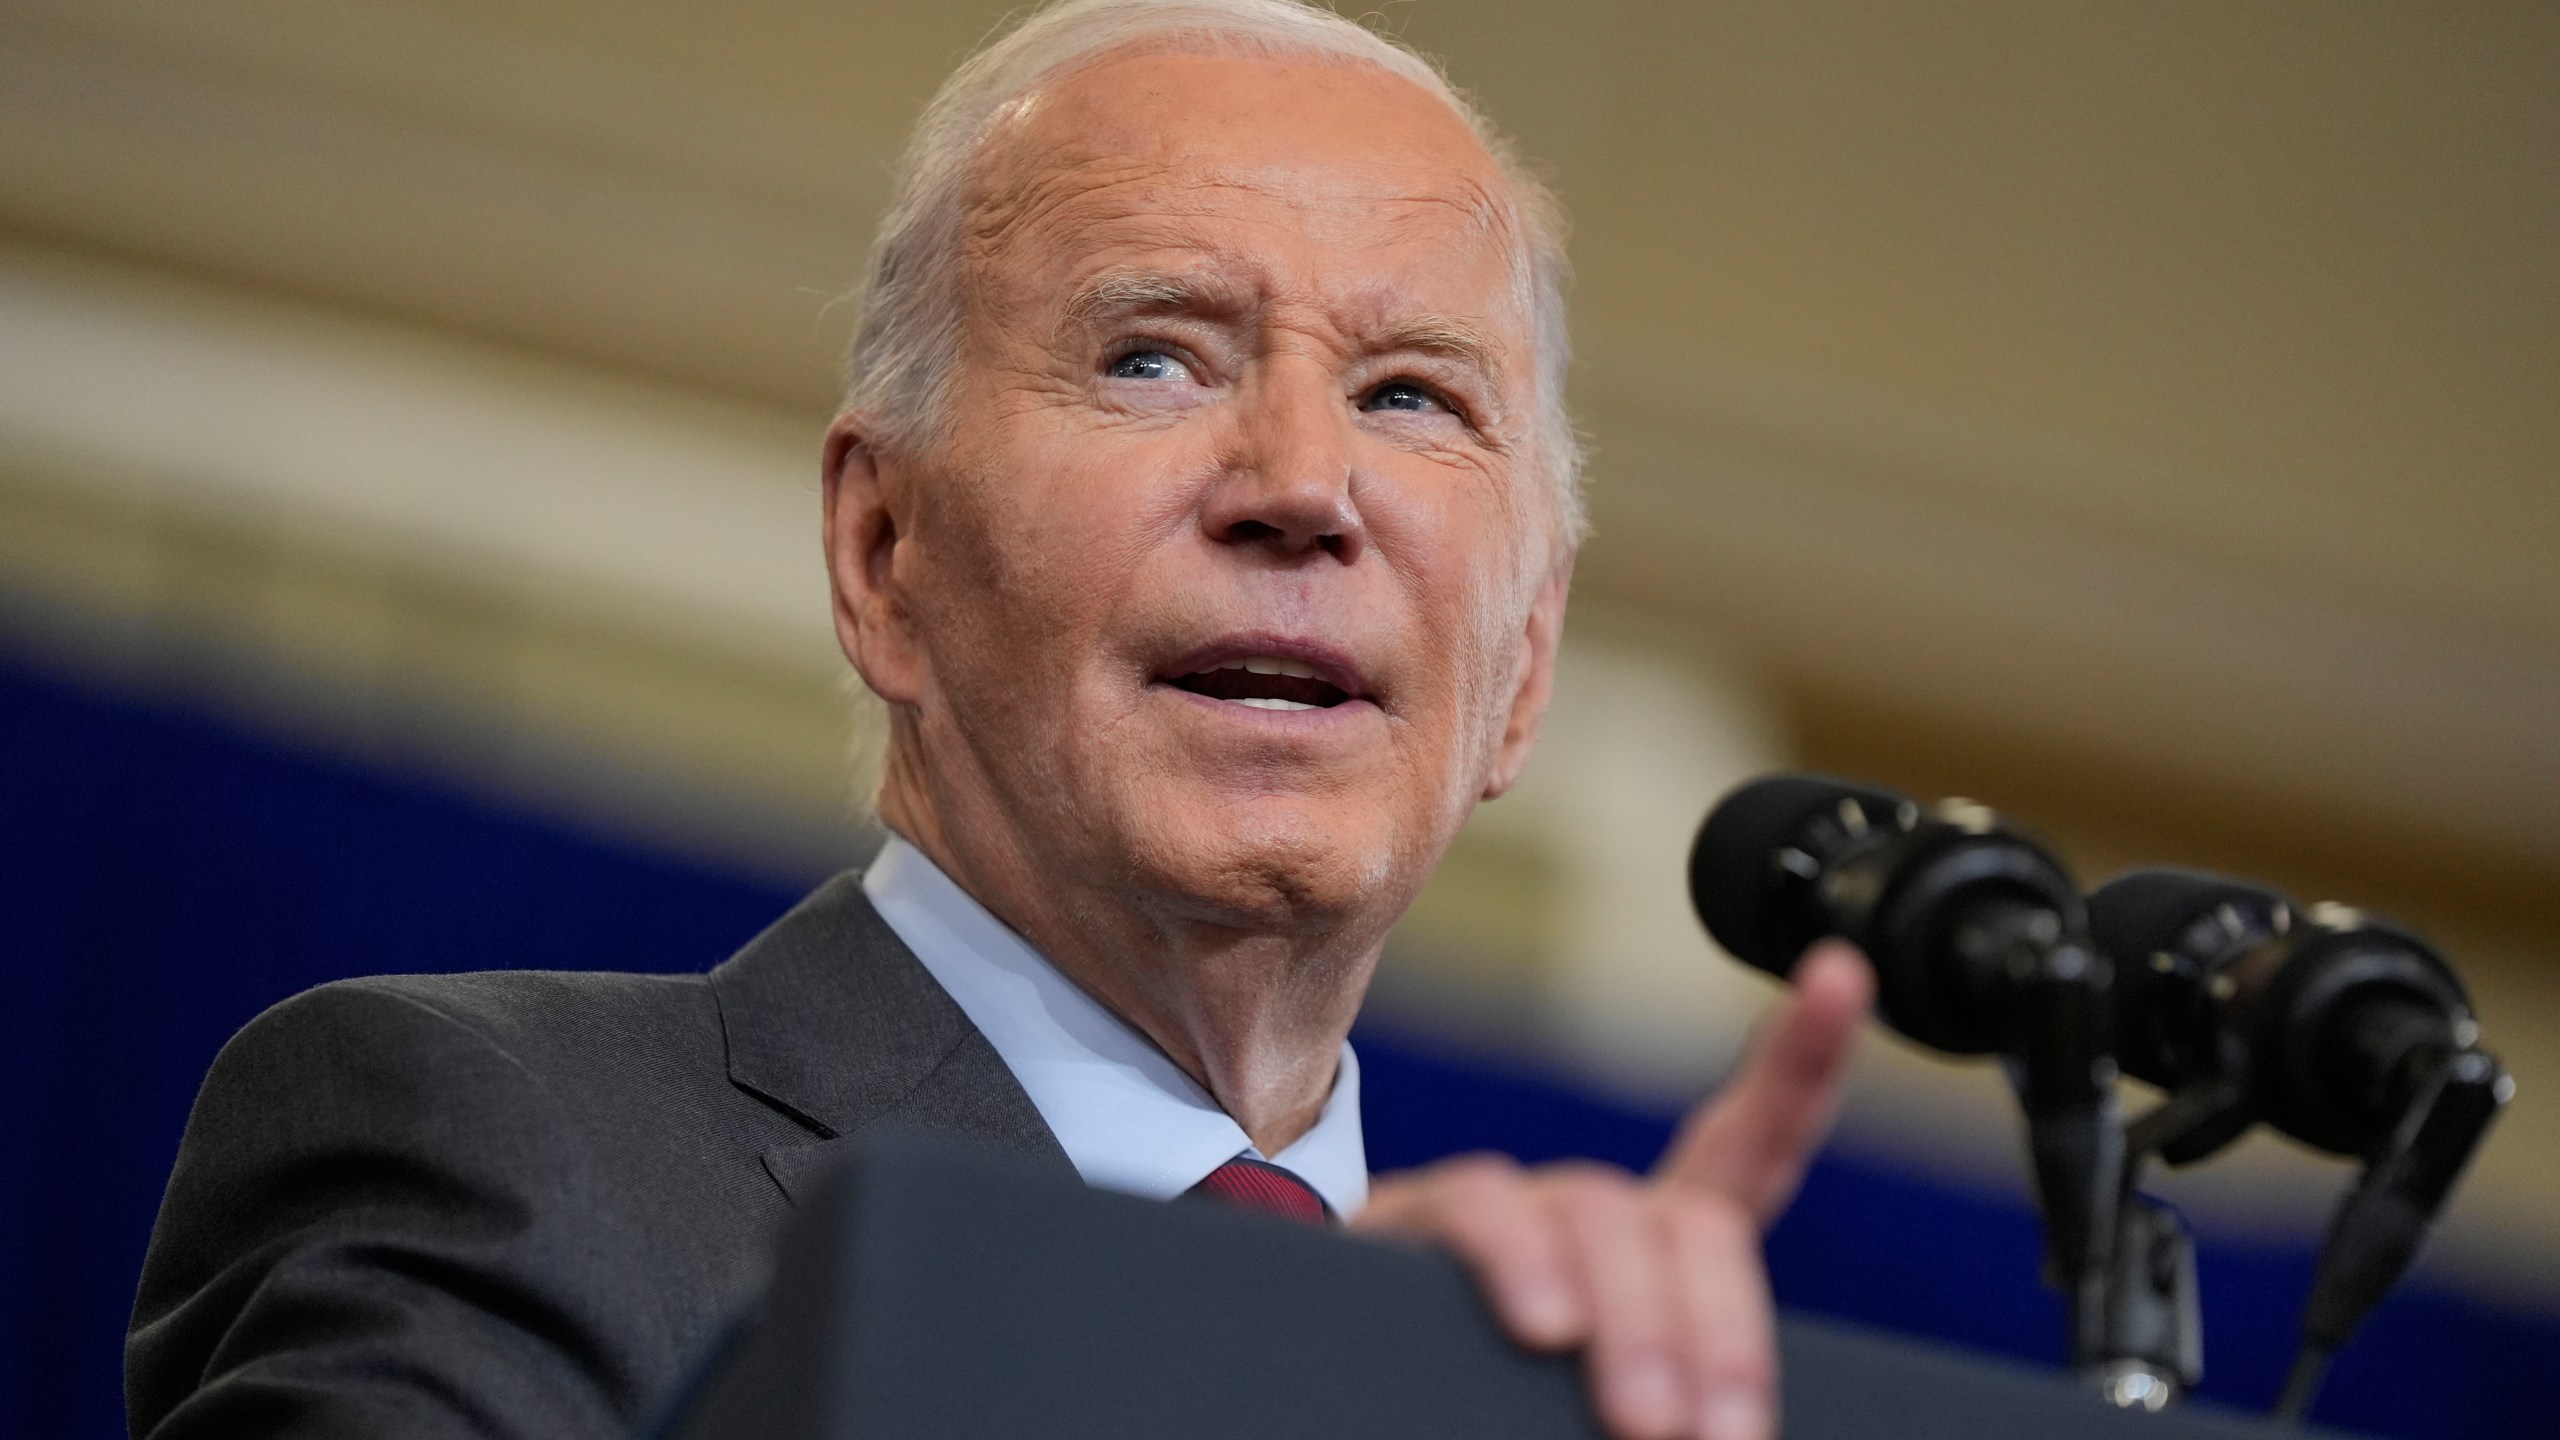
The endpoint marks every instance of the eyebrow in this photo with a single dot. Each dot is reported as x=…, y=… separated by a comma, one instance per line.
x=1153, y=292
x=1127, y=292
x=1450, y=339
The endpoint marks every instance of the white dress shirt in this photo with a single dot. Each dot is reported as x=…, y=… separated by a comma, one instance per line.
x=1128, y=1117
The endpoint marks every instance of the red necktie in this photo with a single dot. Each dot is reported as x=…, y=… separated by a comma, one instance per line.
x=1261, y=1185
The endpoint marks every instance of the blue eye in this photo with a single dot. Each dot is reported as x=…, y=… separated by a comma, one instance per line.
x=1400, y=395
x=1148, y=365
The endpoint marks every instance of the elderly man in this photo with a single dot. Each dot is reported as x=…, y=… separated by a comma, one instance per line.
x=1203, y=513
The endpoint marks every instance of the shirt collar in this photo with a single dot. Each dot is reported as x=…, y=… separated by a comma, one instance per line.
x=1128, y=1117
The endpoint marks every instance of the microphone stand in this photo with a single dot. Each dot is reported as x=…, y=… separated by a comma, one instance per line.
x=2124, y=1262
x=2062, y=1066
x=2152, y=1349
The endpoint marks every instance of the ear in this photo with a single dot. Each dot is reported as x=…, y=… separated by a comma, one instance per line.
x=867, y=529
x=1537, y=679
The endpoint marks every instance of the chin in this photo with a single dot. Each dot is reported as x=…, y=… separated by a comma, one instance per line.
x=1276, y=863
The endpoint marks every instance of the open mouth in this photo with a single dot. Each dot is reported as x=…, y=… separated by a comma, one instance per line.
x=1265, y=682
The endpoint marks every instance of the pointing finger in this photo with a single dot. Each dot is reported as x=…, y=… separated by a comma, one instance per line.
x=1752, y=1140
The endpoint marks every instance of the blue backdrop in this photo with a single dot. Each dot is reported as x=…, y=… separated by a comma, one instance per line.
x=165, y=874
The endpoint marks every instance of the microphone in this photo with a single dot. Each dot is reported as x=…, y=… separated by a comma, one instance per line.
x=1979, y=940
x=2347, y=1033
x=1935, y=899
x=2321, y=1019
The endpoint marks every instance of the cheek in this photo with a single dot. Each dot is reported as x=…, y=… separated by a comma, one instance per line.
x=1500, y=652
x=1039, y=533
x=1461, y=561
x=1472, y=615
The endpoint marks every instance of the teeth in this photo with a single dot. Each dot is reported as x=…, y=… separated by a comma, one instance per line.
x=1271, y=703
x=1272, y=665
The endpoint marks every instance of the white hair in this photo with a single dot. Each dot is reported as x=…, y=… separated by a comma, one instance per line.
x=912, y=300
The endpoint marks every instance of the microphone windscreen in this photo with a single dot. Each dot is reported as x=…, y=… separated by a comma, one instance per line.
x=2144, y=912
x=1762, y=913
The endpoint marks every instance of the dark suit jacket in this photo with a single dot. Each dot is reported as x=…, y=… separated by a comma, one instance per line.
x=523, y=1204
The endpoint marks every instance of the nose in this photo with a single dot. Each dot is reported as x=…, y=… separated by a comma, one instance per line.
x=1286, y=488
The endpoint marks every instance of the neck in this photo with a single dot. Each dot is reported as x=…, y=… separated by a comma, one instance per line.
x=1256, y=1017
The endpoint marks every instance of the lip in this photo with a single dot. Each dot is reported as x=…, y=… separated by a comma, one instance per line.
x=1330, y=664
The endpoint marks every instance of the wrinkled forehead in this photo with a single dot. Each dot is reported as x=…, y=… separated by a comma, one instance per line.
x=1336, y=177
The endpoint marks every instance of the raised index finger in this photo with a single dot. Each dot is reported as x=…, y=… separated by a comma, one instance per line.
x=1751, y=1141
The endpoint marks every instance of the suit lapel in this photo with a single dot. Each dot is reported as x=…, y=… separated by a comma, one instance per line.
x=829, y=1017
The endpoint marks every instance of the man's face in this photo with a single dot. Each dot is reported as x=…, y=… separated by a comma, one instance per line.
x=1235, y=581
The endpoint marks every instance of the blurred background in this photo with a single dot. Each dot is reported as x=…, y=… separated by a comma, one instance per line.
x=2140, y=418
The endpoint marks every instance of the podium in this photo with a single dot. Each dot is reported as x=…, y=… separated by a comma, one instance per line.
x=931, y=1293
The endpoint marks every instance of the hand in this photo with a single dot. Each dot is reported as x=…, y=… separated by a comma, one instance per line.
x=1659, y=1279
